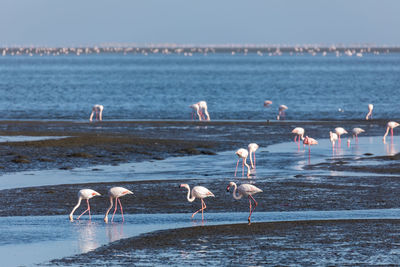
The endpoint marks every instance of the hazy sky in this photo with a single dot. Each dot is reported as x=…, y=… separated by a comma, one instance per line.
x=88, y=22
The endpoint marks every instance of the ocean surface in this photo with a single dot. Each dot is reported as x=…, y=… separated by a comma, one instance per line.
x=161, y=87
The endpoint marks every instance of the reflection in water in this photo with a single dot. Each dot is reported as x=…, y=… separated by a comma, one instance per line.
x=87, y=236
x=390, y=149
x=115, y=231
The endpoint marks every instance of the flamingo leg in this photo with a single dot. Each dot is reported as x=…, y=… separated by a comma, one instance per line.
x=202, y=208
x=237, y=164
x=254, y=160
x=251, y=210
x=242, y=167
x=295, y=138
x=116, y=206
x=88, y=209
x=120, y=206
x=391, y=132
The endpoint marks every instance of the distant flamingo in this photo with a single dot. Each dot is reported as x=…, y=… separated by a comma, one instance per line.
x=203, y=107
x=281, y=113
x=195, y=111
x=369, y=115
x=299, y=133
x=333, y=137
x=98, y=109
x=267, y=103
x=198, y=192
x=339, y=131
x=356, y=132
x=245, y=190
x=309, y=141
x=83, y=194
x=242, y=154
x=252, y=149
x=116, y=192
x=390, y=125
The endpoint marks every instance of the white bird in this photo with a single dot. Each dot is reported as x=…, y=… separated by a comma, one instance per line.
x=198, y=192
x=369, y=114
x=242, y=154
x=333, y=137
x=195, y=111
x=299, y=133
x=267, y=103
x=356, y=132
x=83, y=194
x=203, y=107
x=390, y=125
x=339, y=131
x=245, y=190
x=281, y=112
x=98, y=109
x=252, y=149
x=116, y=192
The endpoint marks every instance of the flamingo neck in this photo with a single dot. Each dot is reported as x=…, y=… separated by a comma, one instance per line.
x=76, y=206
x=190, y=199
x=108, y=210
x=235, y=195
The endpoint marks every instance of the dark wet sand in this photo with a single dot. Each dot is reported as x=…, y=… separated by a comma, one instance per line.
x=306, y=243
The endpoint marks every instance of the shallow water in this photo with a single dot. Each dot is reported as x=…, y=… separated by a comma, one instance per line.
x=34, y=240
x=24, y=138
x=162, y=87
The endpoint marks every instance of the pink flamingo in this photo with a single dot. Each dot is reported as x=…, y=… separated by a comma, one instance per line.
x=281, y=113
x=252, y=150
x=198, y=192
x=242, y=154
x=116, y=192
x=356, y=132
x=333, y=137
x=195, y=110
x=339, y=131
x=203, y=107
x=369, y=115
x=309, y=141
x=267, y=103
x=299, y=133
x=83, y=194
x=245, y=190
x=390, y=125
x=98, y=109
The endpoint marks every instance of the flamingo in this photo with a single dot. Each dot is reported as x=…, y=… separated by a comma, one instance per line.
x=252, y=149
x=309, y=141
x=267, y=103
x=242, y=154
x=245, y=190
x=198, y=192
x=369, y=115
x=98, y=109
x=333, y=137
x=390, y=125
x=116, y=192
x=356, y=132
x=203, y=106
x=281, y=113
x=83, y=194
x=299, y=133
x=195, y=110
x=339, y=131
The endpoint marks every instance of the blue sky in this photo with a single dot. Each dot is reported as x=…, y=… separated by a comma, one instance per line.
x=89, y=22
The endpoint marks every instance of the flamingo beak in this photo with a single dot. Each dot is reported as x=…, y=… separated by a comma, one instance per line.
x=227, y=189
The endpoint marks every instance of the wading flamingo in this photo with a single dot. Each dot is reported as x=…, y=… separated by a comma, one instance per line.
x=198, y=192
x=281, y=112
x=267, y=103
x=356, y=132
x=98, y=109
x=339, y=131
x=333, y=137
x=252, y=150
x=299, y=133
x=390, y=125
x=369, y=115
x=245, y=190
x=195, y=111
x=116, y=192
x=203, y=107
x=83, y=194
x=309, y=141
x=242, y=154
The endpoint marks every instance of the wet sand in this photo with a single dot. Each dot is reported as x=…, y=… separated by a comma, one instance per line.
x=331, y=242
